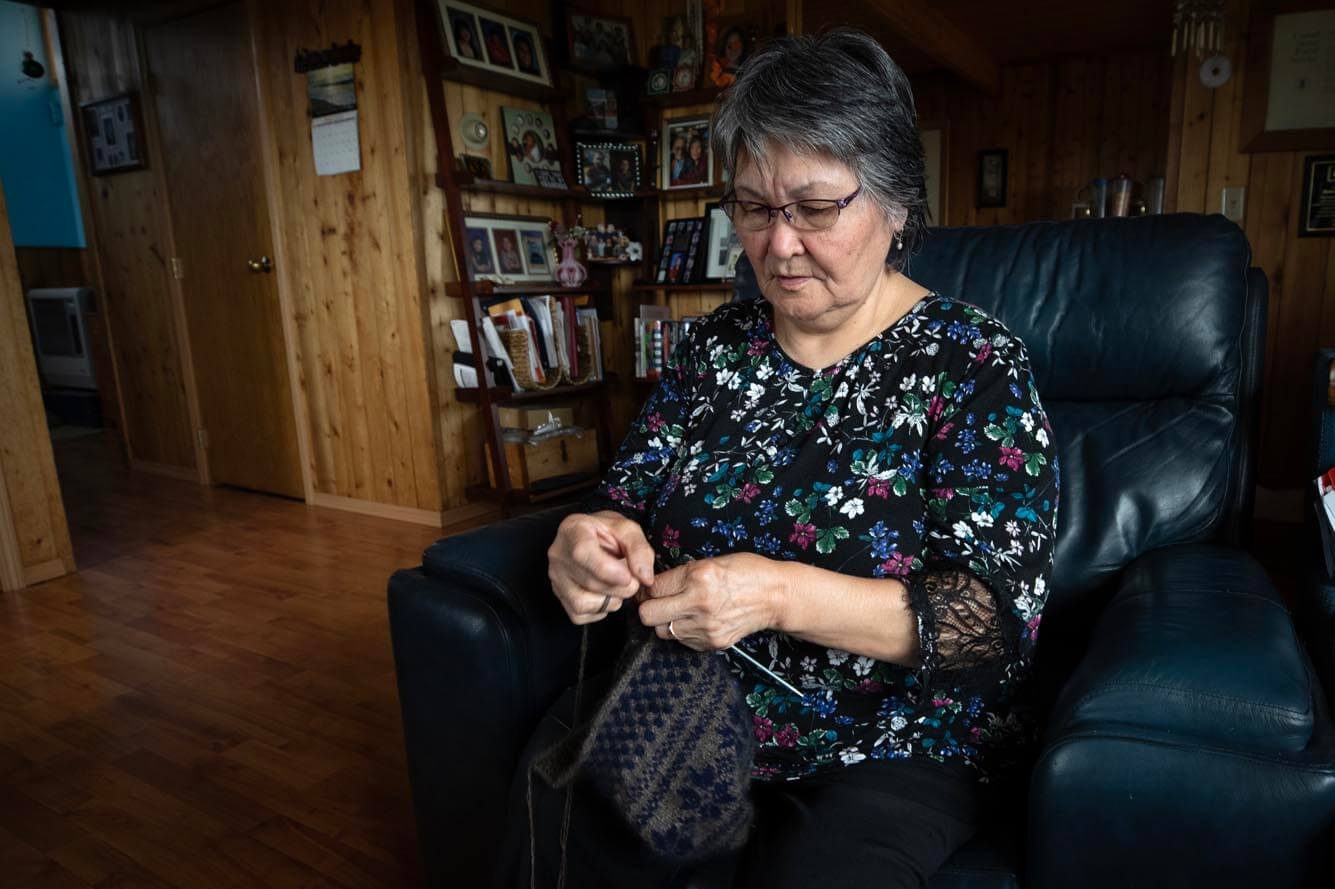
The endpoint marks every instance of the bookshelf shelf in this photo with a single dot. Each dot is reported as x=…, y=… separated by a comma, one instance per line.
x=456, y=71
x=689, y=97
x=503, y=186
x=706, y=286
x=502, y=396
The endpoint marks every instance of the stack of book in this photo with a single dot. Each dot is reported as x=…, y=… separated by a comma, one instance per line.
x=554, y=326
x=1325, y=517
x=656, y=336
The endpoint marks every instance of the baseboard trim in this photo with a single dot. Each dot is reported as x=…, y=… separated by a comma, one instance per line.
x=188, y=473
x=44, y=571
x=382, y=510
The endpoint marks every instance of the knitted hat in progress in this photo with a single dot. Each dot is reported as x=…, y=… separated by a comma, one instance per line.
x=671, y=745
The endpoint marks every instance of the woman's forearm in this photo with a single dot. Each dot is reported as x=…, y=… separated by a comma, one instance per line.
x=865, y=616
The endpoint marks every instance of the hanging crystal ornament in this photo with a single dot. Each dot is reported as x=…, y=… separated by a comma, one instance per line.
x=1198, y=25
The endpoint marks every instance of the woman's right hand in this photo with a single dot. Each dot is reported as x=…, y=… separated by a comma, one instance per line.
x=597, y=562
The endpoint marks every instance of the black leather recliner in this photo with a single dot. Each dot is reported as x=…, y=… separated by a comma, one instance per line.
x=1187, y=741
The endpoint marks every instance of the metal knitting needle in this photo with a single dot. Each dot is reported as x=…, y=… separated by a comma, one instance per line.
x=768, y=672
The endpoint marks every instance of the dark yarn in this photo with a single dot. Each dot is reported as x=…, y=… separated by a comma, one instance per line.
x=671, y=746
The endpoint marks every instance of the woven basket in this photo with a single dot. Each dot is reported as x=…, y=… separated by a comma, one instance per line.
x=517, y=344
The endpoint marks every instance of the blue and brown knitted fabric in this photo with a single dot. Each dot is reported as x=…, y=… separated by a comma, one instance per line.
x=671, y=746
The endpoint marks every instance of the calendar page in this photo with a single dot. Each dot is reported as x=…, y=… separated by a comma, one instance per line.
x=336, y=145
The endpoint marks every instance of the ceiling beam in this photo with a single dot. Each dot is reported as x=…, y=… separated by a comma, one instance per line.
x=934, y=34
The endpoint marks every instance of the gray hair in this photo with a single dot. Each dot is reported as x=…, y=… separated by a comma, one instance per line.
x=838, y=94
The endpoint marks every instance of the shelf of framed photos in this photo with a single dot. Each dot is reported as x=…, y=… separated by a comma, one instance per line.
x=499, y=395
x=452, y=70
x=469, y=183
x=701, y=96
x=689, y=191
x=484, y=289
x=707, y=286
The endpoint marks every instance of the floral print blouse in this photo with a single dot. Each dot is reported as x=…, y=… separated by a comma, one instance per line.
x=924, y=456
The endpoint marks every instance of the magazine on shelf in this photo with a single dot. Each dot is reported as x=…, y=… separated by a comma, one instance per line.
x=656, y=337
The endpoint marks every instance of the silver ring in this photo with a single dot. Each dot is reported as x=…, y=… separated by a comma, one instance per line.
x=672, y=632
x=607, y=600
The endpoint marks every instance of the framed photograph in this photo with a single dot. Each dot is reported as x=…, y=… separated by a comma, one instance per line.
x=114, y=129
x=1318, y=216
x=600, y=42
x=723, y=247
x=936, y=150
x=476, y=165
x=991, y=178
x=730, y=40
x=507, y=248
x=686, y=160
x=1290, y=65
x=679, y=259
x=530, y=138
x=609, y=169
x=484, y=39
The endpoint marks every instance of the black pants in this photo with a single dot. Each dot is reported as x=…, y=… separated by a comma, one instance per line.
x=879, y=823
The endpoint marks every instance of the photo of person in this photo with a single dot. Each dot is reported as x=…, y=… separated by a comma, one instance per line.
x=496, y=42
x=478, y=251
x=686, y=160
x=463, y=29
x=535, y=250
x=507, y=251
x=526, y=57
x=730, y=51
x=674, y=267
x=597, y=174
x=599, y=43
x=531, y=146
x=625, y=173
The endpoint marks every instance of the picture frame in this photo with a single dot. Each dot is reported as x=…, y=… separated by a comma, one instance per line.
x=722, y=246
x=481, y=38
x=991, y=178
x=510, y=248
x=608, y=169
x=531, y=147
x=114, y=128
x=1318, y=202
x=1274, y=99
x=598, y=42
x=679, y=257
x=681, y=164
x=729, y=42
x=935, y=137
x=476, y=165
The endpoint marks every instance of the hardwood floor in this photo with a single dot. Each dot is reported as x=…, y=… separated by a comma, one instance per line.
x=210, y=701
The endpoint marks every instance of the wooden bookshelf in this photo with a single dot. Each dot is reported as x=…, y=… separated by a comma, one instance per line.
x=706, y=286
x=502, y=396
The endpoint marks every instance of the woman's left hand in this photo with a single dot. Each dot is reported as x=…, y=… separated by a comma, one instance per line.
x=710, y=604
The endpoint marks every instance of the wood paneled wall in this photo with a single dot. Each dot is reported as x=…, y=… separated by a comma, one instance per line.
x=133, y=238
x=34, y=535
x=1301, y=271
x=1063, y=123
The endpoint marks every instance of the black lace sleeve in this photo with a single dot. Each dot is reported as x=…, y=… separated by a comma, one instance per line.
x=991, y=525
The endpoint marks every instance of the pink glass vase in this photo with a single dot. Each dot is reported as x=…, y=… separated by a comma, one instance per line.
x=570, y=271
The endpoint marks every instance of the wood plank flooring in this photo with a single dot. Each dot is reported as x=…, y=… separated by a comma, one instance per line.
x=210, y=700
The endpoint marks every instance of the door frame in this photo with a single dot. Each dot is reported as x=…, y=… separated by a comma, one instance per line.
x=269, y=166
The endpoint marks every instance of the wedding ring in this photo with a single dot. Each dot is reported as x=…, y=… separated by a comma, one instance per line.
x=607, y=600
x=672, y=632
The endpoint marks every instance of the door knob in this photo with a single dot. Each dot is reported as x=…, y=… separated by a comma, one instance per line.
x=263, y=264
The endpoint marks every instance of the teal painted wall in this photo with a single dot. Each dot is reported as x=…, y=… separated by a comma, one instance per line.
x=36, y=169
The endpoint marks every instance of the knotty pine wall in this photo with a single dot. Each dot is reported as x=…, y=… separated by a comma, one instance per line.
x=1204, y=149
x=34, y=535
x=131, y=230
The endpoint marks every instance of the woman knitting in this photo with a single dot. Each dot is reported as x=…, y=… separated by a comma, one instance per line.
x=852, y=480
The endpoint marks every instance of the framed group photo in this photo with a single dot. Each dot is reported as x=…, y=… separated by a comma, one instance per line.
x=490, y=41
x=530, y=138
x=609, y=169
x=599, y=42
x=512, y=247
x=991, y=178
x=686, y=160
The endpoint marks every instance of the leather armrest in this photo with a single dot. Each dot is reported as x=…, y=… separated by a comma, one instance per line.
x=1190, y=735
x=481, y=649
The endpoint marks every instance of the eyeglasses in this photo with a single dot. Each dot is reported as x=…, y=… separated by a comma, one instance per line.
x=807, y=215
